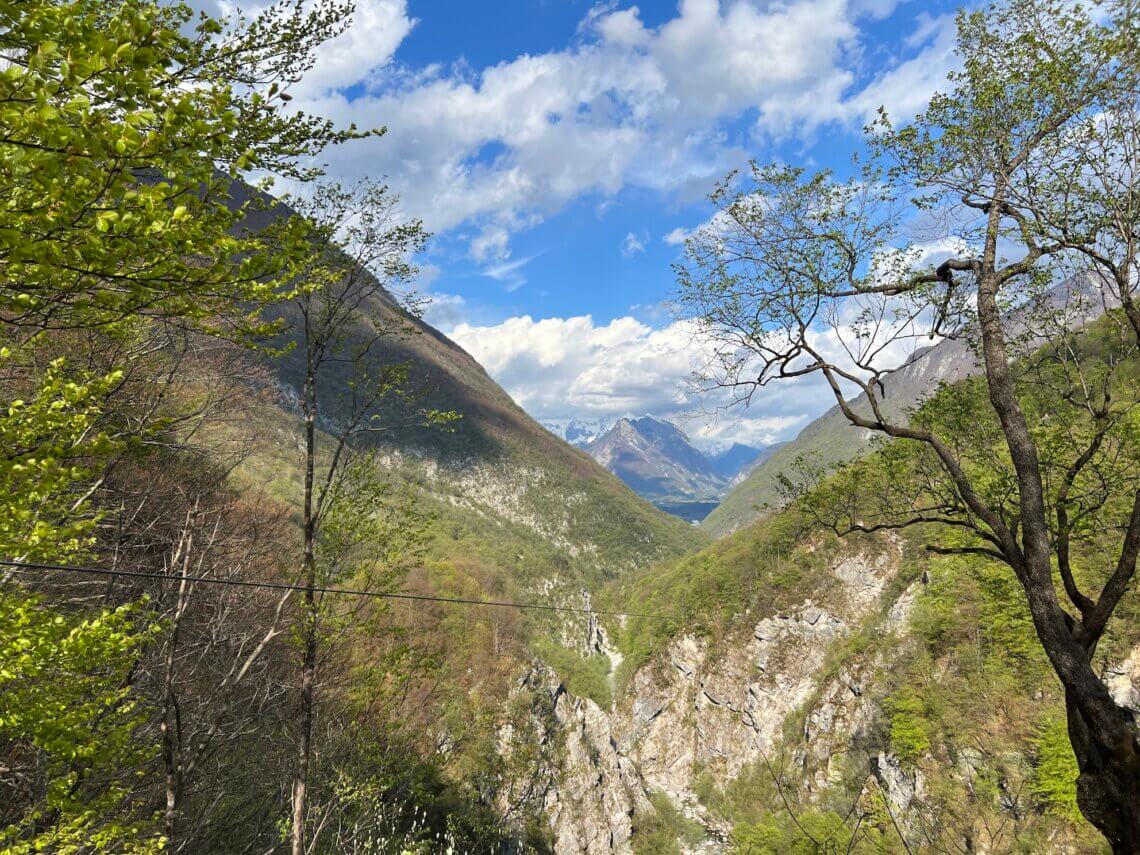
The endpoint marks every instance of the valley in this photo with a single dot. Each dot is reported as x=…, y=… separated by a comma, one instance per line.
x=779, y=659
x=697, y=428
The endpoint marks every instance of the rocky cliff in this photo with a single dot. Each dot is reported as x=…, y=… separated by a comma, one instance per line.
x=702, y=712
x=793, y=695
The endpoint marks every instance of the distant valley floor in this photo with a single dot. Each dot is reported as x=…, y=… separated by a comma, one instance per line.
x=693, y=512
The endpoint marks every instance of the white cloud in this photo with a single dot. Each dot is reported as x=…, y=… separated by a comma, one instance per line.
x=627, y=105
x=438, y=309
x=905, y=89
x=621, y=27
x=510, y=273
x=573, y=368
x=634, y=244
x=444, y=310
x=491, y=244
x=709, y=228
x=378, y=28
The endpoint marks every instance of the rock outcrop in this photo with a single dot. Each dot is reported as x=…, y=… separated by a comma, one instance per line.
x=700, y=709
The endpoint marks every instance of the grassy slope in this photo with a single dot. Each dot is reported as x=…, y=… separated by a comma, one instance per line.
x=832, y=441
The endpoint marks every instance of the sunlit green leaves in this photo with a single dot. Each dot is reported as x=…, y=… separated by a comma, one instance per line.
x=51, y=444
x=124, y=135
x=66, y=709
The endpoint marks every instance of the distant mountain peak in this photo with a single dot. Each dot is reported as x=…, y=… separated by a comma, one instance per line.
x=578, y=432
x=657, y=460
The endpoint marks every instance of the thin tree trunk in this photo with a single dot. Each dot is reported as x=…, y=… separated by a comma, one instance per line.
x=171, y=720
x=308, y=667
x=169, y=751
x=304, y=742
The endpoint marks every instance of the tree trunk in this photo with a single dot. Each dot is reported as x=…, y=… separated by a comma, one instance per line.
x=304, y=742
x=169, y=752
x=308, y=667
x=171, y=725
x=1108, y=789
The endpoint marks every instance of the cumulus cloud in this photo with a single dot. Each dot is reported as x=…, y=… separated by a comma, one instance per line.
x=574, y=368
x=560, y=369
x=626, y=105
x=444, y=310
x=905, y=89
x=378, y=28
x=491, y=244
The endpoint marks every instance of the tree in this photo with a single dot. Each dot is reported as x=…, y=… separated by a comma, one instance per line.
x=1022, y=177
x=127, y=127
x=50, y=435
x=216, y=671
x=352, y=393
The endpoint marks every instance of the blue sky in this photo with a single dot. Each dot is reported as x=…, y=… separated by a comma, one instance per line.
x=560, y=149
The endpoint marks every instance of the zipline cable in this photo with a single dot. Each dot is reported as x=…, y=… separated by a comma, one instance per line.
x=29, y=566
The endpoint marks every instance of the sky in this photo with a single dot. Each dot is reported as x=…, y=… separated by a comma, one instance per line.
x=560, y=150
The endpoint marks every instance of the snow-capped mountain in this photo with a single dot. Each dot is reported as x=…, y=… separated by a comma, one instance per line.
x=578, y=432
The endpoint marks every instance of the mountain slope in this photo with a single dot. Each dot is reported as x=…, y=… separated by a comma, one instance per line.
x=578, y=432
x=792, y=685
x=658, y=462
x=518, y=515
x=733, y=459
x=737, y=461
x=851, y=669
x=496, y=458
